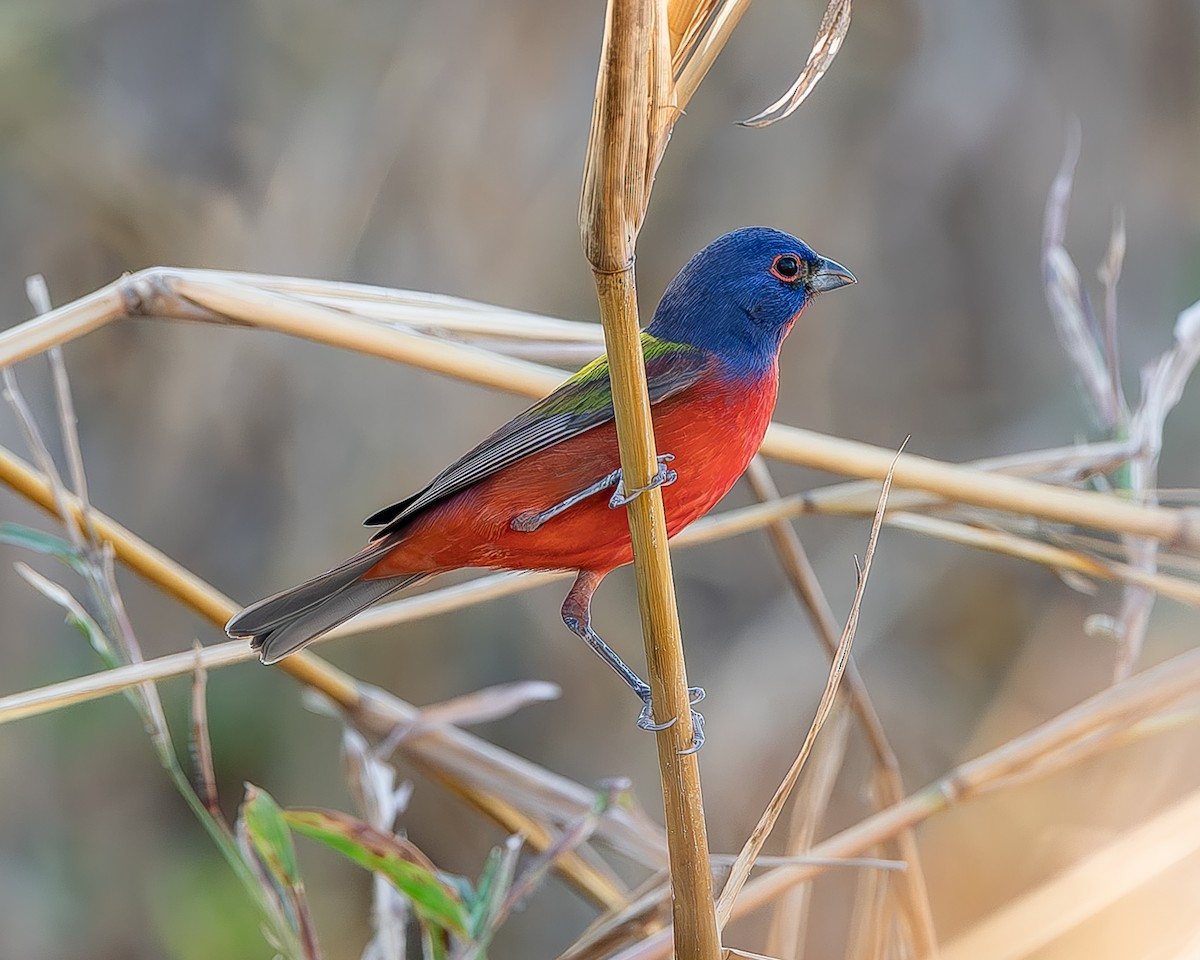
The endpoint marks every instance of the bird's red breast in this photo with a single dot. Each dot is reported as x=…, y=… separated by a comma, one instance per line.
x=712, y=427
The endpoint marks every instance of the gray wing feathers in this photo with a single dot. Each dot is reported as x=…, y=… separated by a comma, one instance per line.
x=493, y=454
x=337, y=608
x=528, y=433
x=287, y=621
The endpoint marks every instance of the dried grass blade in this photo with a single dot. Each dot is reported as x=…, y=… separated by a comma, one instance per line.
x=740, y=872
x=832, y=32
x=480, y=706
x=202, y=755
x=709, y=29
x=891, y=787
x=790, y=916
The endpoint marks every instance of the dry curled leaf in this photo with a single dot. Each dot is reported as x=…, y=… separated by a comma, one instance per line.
x=830, y=36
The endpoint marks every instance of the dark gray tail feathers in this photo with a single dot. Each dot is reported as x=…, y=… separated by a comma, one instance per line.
x=283, y=623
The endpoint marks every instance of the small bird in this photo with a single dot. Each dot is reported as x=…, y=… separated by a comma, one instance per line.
x=532, y=495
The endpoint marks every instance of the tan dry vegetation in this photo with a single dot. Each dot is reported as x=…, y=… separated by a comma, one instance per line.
x=1108, y=878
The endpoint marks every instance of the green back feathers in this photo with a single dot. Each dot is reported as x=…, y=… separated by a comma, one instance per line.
x=581, y=402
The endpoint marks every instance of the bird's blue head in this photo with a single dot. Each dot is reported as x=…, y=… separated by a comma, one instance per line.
x=740, y=295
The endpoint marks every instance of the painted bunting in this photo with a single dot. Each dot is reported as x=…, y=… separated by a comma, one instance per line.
x=532, y=496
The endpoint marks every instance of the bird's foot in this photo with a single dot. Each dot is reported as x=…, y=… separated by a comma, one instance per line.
x=645, y=720
x=576, y=616
x=664, y=478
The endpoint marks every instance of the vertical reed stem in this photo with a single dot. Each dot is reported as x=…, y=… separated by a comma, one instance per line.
x=687, y=835
x=631, y=120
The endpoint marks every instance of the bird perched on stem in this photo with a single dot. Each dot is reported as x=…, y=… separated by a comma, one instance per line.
x=543, y=492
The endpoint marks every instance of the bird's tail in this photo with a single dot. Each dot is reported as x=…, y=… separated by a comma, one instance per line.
x=283, y=623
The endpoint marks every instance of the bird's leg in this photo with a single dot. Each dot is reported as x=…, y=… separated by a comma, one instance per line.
x=532, y=520
x=577, y=615
x=664, y=478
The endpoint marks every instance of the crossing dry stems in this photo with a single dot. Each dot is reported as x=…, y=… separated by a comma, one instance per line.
x=655, y=56
x=515, y=793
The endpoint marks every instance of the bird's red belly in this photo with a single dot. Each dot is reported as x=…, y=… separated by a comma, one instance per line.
x=712, y=431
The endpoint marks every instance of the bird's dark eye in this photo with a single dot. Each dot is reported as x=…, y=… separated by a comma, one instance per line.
x=786, y=267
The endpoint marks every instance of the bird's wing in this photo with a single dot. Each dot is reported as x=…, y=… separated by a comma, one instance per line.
x=582, y=402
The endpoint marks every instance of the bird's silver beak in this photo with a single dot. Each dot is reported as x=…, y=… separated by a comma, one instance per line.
x=829, y=276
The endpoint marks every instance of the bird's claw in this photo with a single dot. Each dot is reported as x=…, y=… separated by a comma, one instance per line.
x=664, y=478
x=697, y=735
x=645, y=720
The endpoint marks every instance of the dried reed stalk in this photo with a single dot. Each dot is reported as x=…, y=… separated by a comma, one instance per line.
x=740, y=872
x=228, y=299
x=1097, y=723
x=799, y=571
x=631, y=121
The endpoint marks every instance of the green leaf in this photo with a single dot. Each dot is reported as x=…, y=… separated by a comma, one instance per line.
x=410, y=871
x=268, y=831
x=41, y=542
x=77, y=615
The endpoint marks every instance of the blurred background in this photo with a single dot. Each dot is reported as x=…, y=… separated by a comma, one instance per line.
x=439, y=146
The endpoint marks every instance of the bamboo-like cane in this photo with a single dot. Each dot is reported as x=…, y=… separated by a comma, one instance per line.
x=631, y=119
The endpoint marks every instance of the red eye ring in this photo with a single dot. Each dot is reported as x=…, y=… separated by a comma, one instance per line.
x=786, y=267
